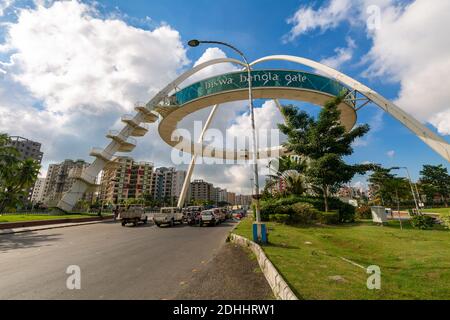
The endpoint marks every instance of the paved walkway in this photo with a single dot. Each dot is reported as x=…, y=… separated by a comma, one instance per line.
x=232, y=274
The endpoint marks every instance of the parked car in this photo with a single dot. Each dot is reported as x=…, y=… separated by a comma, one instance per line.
x=219, y=214
x=192, y=214
x=208, y=217
x=133, y=214
x=168, y=216
x=237, y=214
x=224, y=212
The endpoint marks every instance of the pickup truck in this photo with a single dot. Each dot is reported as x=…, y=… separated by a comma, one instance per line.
x=134, y=214
x=168, y=216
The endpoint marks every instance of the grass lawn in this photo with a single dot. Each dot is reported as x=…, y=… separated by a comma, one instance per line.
x=414, y=264
x=33, y=217
x=442, y=211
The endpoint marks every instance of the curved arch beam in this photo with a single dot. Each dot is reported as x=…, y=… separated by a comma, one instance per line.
x=434, y=141
x=88, y=177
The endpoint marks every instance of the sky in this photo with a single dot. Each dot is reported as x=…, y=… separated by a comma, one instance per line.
x=70, y=69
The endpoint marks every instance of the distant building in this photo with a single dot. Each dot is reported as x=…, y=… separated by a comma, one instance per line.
x=167, y=184
x=200, y=190
x=28, y=149
x=38, y=191
x=231, y=198
x=243, y=200
x=125, y=179
x=59, y=180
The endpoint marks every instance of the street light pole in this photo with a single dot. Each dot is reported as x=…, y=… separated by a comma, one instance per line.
x=261, y=232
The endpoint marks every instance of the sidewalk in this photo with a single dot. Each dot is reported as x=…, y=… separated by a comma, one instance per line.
x=50, y=226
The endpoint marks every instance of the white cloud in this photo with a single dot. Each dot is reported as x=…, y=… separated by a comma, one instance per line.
x=5, y=4
x=412, y=48
x=342, y=56
x=390, y=153
x=307, y=19
x=72, y=74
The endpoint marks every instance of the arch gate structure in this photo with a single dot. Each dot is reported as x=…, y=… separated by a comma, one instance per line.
x=172, y=104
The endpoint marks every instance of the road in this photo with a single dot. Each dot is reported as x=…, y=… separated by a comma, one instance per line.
x=116, y=262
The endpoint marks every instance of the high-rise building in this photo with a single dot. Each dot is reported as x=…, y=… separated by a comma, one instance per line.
x=125, y=179
x=243, y=200
x=60, y=178
x=38, y=191
x=167, y=184
x=201, y=191
x=231, y=198
x=28, y=149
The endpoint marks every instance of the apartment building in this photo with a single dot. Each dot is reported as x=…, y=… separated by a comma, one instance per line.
x=60, y=179
x=201, y=191
x=27, y=149
x=38, y=191
x=125, y=179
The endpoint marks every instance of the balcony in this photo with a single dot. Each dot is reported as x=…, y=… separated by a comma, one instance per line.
x=148, y=116
x=101, y=154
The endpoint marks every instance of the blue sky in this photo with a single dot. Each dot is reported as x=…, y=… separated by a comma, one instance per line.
x=259, y=28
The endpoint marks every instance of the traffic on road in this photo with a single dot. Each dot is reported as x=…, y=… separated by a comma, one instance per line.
x=170, y=216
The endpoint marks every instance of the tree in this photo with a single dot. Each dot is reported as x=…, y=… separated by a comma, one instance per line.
x=388, y=188
x=324, y=142
x=16, y=179
x=437, y=179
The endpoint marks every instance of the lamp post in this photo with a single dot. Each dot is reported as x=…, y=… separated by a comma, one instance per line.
x=259, y=229
x=411, y=186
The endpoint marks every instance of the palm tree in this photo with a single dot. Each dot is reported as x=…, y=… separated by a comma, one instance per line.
x=290, y=171
x=16, y=179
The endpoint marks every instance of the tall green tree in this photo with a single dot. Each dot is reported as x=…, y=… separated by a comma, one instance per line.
x=17, y=178
x=437, y=179
x=324, y=142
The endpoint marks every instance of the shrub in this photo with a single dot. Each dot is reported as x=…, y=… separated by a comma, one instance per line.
x=273, y=206
x=422, y=222
x=331, y=217
x=303, y=213
x=445, y=221
x=363, y=212
x=280, y=218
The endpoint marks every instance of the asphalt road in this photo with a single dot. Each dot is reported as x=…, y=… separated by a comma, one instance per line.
x=116, y=262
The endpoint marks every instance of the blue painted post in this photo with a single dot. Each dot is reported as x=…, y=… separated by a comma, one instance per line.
x=260, y=233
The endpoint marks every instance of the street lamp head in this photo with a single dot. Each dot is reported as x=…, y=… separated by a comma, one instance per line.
x=193, y=43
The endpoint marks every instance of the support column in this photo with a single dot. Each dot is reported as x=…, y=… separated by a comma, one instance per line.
x=190, y=171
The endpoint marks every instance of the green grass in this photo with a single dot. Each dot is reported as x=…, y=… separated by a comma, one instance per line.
x=414, y=264
x=34, y=217
x=442, y=211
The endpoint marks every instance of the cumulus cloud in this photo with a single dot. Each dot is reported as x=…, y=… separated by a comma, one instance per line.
x=71, y=74
x=342, y=55
x=307, y=19
x=412, y=48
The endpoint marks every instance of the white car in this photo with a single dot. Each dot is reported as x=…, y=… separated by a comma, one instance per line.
x=168, y=216
x=208, y=217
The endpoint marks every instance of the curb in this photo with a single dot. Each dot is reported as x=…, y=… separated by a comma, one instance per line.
x=50, y=227
x=279, y=286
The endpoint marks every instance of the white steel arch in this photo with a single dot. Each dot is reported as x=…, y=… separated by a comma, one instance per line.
x=434, y=141
x=135, y=125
